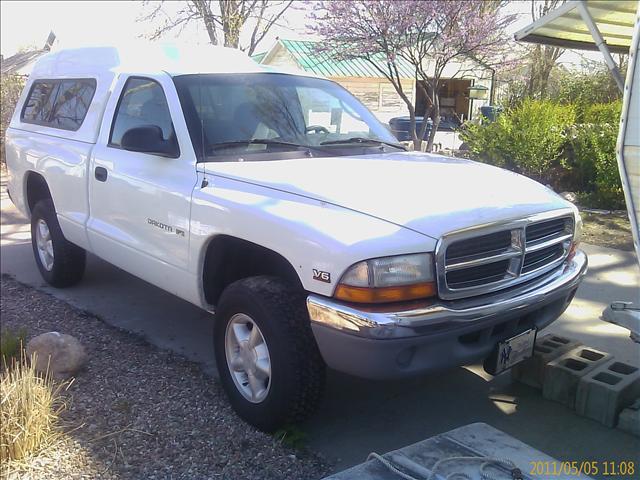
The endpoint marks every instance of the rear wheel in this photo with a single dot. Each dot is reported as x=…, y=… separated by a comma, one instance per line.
x=268, y=361
x=61, y=263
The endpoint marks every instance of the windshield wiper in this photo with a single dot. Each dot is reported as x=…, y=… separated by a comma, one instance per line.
x=257, y=141
x=361, y=141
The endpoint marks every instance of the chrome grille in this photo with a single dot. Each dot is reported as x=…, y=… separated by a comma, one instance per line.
x=489, y=258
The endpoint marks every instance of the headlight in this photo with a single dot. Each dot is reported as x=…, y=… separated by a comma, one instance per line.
x=388, y=279
x=577, y=235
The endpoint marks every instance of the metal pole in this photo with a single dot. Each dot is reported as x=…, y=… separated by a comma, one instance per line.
x=492, y=92
x=601, y=44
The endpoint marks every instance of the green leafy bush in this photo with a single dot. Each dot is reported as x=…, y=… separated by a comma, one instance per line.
x=583, y=90
x=593, y=160
x=12, y=343
x=528, y=139
x=541, y=139
x=10, y=90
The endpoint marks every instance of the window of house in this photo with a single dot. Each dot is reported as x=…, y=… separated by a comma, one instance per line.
x=142, y=103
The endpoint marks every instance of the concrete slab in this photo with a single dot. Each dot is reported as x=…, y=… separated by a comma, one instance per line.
x=460, y=453
x=359, y=416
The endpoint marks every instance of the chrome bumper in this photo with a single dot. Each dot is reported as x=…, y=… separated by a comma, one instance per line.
x=440, y=315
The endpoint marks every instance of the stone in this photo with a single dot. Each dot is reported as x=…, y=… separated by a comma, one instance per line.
x=547, y=348
x=565, y=372
x=606, y=390
x=569, y=196
x=60, y=354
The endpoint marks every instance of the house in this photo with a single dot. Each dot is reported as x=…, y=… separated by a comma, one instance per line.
x=358, y=76
x=366, y=82
x=21, y=63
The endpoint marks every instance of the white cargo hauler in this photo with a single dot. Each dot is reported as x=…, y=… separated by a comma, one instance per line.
x=280, y=204
x=611, y=26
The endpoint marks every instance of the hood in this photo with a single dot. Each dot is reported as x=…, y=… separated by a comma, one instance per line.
x=427, y=193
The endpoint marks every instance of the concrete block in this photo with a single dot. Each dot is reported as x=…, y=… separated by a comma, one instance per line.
x=563, y=374
x=547, y=348
x=629, y=420
x=606, y=390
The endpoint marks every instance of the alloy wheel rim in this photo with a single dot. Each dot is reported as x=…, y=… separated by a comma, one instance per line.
x=44, y=244
x=248, y=358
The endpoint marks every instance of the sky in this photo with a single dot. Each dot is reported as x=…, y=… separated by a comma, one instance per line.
x=75, y=23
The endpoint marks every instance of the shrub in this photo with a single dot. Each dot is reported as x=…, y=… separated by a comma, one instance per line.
x=583, y=90
x=528, y=138
x=11, y=345
x=594, y=160
x=10, y=90
x=29, y=409
x=541, y=140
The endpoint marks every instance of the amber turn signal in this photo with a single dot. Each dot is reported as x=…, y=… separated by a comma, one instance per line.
x=403, y=293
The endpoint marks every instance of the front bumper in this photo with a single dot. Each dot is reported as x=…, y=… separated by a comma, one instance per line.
x=438, y=334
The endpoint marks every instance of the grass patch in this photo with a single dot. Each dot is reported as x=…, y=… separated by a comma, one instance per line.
x=12, y=343
x=291, y=436
x=30, y=405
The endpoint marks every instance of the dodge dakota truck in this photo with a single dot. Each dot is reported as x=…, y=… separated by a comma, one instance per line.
x=280, y=204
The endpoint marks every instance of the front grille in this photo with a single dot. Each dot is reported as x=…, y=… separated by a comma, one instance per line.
x=542, y=230
x=473, y=275
x=540, y=258
x=480, y=245
x=484, y=260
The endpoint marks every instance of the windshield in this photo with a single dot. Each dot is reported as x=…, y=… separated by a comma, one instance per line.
x=254, y=113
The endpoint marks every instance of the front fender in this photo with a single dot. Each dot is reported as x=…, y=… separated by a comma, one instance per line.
x=310, y=234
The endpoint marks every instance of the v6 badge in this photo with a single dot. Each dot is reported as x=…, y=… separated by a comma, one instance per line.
x=321, y=276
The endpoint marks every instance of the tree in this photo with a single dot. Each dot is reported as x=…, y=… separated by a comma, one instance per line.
x=226, y=17
x=543, y=57
x=429, y=35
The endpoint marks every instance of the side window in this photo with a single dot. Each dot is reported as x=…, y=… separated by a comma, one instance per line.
x=72, y=102
x=59, y=104
x=37, y=108
x=142, y=103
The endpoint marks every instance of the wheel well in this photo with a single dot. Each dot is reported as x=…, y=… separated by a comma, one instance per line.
x=37, y=189
x=229, y=259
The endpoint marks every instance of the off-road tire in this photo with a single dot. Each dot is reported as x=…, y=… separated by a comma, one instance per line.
x=297, y=368
x=68, y=259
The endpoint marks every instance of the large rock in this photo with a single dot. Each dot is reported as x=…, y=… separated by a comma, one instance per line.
x=62, y=354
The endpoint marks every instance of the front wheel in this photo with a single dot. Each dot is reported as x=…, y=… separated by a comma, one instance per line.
x=61, y=263
x=268, y=361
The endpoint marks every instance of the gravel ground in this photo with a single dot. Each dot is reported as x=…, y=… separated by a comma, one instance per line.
x=139, y=412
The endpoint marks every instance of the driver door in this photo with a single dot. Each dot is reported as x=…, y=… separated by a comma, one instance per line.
x=140, y=201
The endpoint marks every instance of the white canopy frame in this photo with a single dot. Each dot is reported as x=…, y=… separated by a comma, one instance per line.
x=611, y=26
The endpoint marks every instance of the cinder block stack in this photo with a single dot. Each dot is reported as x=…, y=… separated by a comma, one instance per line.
x=592, y=382
x=565, y=372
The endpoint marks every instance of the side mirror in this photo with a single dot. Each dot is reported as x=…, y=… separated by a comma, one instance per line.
x=149, y=139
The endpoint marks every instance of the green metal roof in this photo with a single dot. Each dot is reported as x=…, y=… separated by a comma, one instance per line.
x=318, y=62
x=258, y=56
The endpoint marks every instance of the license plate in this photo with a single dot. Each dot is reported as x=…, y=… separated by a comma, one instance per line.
x=514, y=350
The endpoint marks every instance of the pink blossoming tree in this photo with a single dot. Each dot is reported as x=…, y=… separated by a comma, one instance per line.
x=430, y=35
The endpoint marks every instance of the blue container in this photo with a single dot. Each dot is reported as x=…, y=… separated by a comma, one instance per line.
x=400, y=127
x=490, y=112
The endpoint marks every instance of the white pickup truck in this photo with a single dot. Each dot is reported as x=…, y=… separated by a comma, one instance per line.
x=279, y=202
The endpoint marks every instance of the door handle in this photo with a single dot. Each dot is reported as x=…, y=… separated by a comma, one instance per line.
x=101, y=174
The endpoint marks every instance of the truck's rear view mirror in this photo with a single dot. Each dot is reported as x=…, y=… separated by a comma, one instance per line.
x=149, y=139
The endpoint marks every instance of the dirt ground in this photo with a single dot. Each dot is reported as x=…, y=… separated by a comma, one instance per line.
x=607, y=230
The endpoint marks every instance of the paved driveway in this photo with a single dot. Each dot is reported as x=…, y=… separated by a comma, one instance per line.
x=359, y=416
